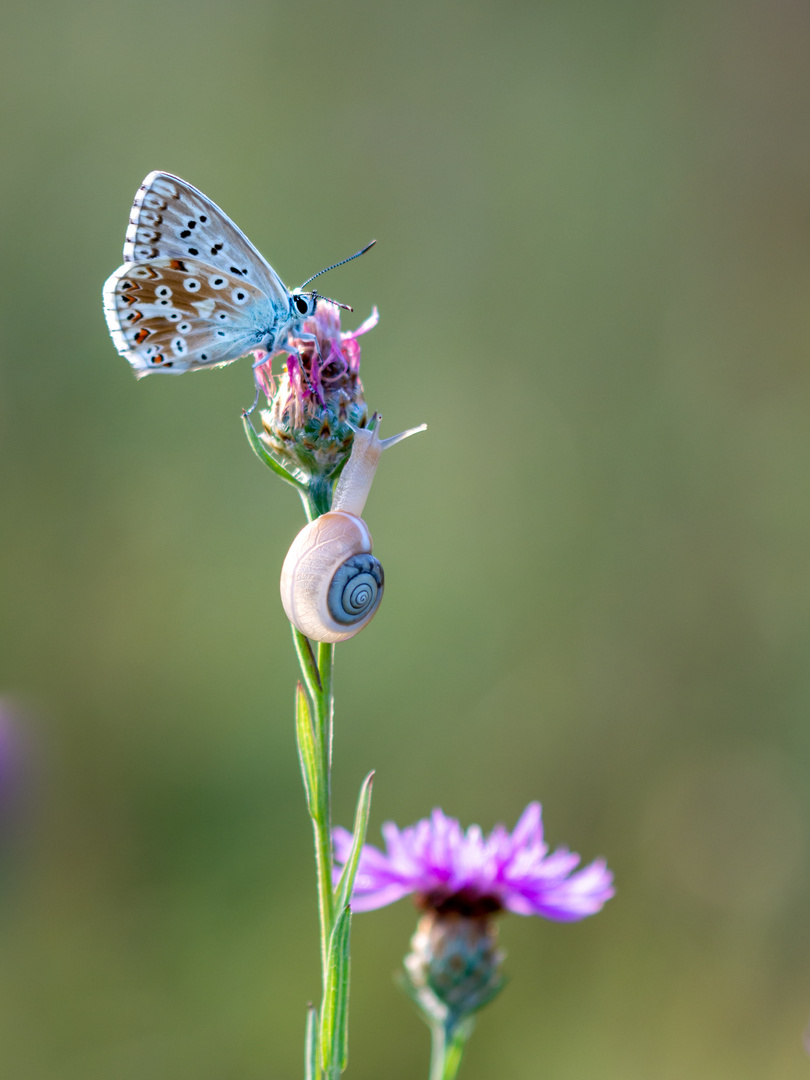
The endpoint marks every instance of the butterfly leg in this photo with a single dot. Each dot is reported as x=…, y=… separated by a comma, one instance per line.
x=260, y=363
x=255, y=366
x=314, y=375
x=247, y=412
x=301, y=336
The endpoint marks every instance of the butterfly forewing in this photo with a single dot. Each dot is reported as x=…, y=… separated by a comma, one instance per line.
x=170, y=219
x=175, y=315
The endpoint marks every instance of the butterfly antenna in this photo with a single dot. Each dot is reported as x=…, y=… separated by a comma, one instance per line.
x=329, y=300
x=356, y=255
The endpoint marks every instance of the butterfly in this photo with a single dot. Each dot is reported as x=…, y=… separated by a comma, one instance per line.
x=193, y=291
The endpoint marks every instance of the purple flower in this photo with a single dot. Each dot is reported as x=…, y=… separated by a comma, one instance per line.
x=313, y=372
x=452, y=871
x=317, y=401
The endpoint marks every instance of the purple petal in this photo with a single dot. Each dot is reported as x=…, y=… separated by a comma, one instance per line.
x=364, y=327
x=514, y=870
x=377, y=898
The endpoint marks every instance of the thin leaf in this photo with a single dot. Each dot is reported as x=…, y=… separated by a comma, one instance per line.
x=326, y=669
x=343, y=893
x=335, y=1018
x=264, y=455
x=311, y=1069
x=307, y=754
x=307, y=662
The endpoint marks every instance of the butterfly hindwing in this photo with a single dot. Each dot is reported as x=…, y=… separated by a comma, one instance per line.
x=176, y=315
x=171, y=219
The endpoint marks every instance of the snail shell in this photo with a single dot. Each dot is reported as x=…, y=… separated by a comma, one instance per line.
x=331, y=584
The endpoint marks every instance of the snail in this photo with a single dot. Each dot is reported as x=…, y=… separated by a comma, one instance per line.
x=331, y=584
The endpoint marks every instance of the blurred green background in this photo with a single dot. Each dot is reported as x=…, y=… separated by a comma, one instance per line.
x=593, y=272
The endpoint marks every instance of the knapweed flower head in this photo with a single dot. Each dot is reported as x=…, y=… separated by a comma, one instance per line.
x=318, y=397
x=453, y=968
x=15, y=766
x=453, y=871
x=461, y=880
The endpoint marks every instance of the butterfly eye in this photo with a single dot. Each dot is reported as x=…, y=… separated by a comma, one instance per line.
x=302, y=303
x=239, y=296
x=217, y=282
x=191, y=284
x=163, y=290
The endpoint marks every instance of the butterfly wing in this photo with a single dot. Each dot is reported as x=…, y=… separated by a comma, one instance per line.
x=176, y=315
x=170, y=219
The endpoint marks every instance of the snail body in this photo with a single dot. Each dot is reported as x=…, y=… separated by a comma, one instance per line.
x=331, y=584
x=354, y=483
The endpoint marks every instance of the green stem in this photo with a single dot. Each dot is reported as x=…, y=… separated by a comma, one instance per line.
x=317, y=673
x=437, y=1044
x=322, y=824
x=319, y=493
x=317, y=662
x=447, y=1047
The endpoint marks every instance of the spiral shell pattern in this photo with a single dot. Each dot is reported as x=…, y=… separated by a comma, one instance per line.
x=331, y=585
x=356, y=589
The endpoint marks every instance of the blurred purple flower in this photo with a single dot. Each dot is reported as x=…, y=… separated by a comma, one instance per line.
x=452, y=871
x=16, y=773
x=10, y=751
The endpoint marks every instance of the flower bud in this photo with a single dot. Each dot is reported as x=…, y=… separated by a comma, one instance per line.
x=318, y=398
x=454, y=965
